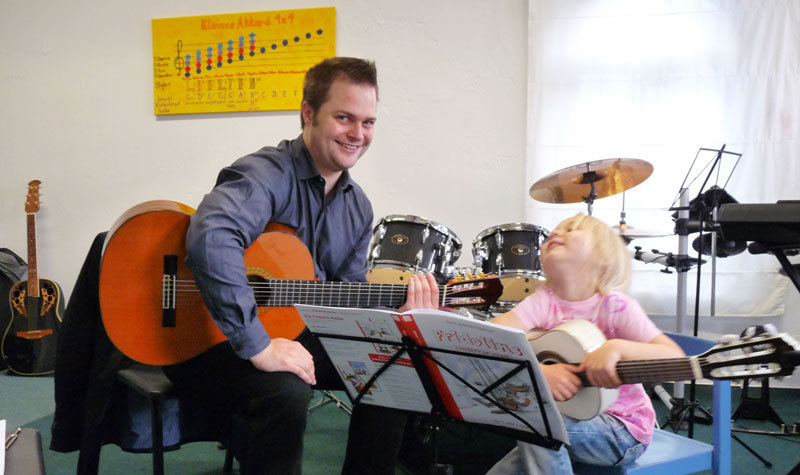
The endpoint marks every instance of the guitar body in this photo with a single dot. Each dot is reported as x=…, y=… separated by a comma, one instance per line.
x=132, y=271
x=569, y=343
x=32, y=352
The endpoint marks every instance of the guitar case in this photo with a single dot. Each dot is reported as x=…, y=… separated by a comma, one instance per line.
x=12, y=270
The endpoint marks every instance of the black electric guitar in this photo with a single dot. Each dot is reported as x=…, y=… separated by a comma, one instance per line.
x=29, y=341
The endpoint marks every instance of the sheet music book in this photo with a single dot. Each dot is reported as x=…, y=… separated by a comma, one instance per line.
x=496, y=361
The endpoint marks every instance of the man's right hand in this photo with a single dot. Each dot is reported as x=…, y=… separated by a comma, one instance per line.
x=286, y=355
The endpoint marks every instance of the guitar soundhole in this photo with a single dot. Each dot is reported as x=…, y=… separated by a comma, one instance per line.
x=48, y=297
x=549, y=357
x=261, y=289
x=18, y=299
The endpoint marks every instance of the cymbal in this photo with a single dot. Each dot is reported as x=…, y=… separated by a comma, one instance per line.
x=629, y=232
x=573, y=184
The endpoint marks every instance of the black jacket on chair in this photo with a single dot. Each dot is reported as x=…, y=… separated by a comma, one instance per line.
x=92, y=407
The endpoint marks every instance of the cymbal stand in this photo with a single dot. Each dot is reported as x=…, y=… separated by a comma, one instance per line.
x=590, y=177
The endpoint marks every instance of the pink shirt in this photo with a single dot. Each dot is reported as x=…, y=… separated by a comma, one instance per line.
x=617, y=315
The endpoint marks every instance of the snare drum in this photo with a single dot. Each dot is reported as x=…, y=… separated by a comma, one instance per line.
x=402, y=245
x=511, y=251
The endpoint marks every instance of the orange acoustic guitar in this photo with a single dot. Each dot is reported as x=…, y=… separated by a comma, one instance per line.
x=153, y=311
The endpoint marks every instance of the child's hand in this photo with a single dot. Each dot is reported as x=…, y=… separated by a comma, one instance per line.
x=601, y=365
x=562, y=380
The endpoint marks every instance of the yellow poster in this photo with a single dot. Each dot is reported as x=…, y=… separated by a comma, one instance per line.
x=239, y=61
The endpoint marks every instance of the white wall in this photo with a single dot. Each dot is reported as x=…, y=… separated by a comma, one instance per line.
x=77, y=95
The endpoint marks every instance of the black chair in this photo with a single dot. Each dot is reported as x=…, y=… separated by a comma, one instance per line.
x=153, y=384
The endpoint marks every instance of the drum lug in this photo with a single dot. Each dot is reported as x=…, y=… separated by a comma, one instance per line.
x=480, y=253
x=499, y=263
x=418, y=263
x=381, y=231
x=498, y=238
x=375, y=253
x=425, y=233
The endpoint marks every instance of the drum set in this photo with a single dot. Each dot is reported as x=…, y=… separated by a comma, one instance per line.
x=403, y=245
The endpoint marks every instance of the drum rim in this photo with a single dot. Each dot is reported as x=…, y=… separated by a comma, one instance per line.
x=397, y=265
x=509, y=227
x=527, y=273
x=419, y=220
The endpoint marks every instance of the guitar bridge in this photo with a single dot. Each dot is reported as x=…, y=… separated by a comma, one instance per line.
x=169, y=286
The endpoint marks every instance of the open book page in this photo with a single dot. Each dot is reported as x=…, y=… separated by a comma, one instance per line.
x=400, y=386
x=455, y=332
x=356, y=361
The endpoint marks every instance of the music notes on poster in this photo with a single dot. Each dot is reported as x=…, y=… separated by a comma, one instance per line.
x=238, y=62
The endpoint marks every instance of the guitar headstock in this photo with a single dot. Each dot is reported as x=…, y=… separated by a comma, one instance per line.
x=32, y=201
x=760, y=357
x=473, y=292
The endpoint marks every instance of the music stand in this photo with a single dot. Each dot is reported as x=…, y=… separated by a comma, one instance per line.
x=684, y=225
x=438, y=363
x=419, y=355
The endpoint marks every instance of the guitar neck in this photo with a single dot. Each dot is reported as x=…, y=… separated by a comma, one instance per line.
x=651, y=371
x=655, y=371
x=33, y=274
x=285, y=293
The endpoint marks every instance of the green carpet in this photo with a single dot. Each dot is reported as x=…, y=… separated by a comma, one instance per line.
x=28, y=402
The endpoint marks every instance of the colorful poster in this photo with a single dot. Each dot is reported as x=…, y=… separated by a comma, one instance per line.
x=239, y=61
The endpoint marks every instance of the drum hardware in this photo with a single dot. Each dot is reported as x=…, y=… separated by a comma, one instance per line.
x=511, y=251
x=603, y=177
x=629, y=233
x=403, y=245
x=680, y=263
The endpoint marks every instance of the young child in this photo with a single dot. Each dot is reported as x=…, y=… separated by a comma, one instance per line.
x=587, y=268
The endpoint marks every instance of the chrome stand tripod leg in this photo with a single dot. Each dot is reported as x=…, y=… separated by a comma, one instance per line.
x=329, y=398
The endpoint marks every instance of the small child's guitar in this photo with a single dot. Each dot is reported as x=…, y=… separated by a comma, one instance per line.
x=760, y=357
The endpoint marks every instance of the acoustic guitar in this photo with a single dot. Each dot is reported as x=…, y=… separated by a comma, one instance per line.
x=29, y=340
x=760, y=357
x=154, y=313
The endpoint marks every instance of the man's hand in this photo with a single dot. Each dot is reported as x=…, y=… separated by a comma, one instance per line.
x=286, y=355
x=423, y=292
x=561, y=380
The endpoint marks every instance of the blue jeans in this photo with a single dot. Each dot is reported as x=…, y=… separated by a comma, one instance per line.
x=602, y=441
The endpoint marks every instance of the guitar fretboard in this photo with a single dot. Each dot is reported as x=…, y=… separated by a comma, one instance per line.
x=285, y=293
x=650, y=371
x=33, y=274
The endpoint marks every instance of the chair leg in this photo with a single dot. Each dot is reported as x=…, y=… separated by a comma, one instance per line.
x=228, y=467
x=157, y=436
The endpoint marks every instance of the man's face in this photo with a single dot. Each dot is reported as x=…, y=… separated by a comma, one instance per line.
x=340, y=131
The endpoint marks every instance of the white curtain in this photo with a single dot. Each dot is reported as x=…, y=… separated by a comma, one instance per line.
x=659, y=80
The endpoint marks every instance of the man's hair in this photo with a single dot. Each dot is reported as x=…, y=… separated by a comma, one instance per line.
x=319, y=78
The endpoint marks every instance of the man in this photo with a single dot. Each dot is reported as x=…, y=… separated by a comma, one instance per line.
x=262, y=386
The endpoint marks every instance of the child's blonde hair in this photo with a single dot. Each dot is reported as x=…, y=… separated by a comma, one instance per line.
x=612, y=258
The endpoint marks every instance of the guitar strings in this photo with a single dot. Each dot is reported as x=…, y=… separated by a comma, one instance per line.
x=284, y=292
